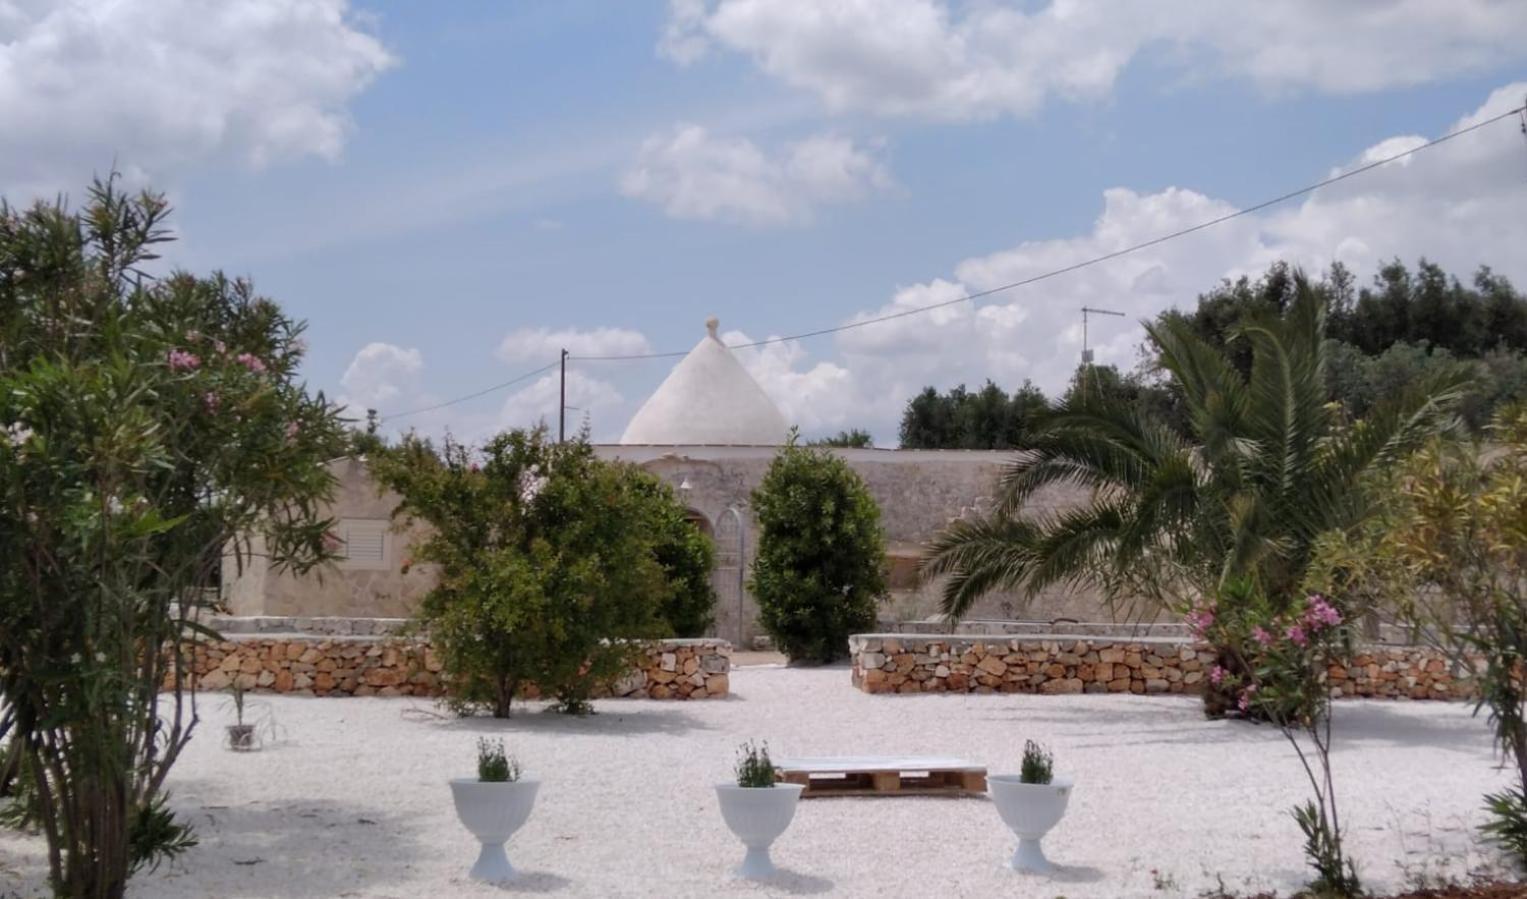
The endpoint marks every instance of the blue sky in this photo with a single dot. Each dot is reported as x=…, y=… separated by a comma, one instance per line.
x=448, y=192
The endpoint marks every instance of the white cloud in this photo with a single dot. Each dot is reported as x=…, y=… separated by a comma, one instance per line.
x=544, y=344
x=382, y=376
x=940, y=60
x=158, y=85
x=815, y=398
x=588, y=398
x=693, y=174
x=1458, y=205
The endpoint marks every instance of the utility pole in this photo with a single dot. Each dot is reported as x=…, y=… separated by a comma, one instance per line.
x=1086, y=350
x=562, y=402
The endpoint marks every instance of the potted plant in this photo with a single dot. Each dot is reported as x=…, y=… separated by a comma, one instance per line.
x=241, y=736
x=493, y=805
x=1030, y=803
x=757, y=808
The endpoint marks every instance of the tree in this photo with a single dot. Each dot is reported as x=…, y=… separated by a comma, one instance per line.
x=854, y=438
x=821, y=553
x=146, y=423
x=986, y=419
x=549, y=563
x=1266, y=467
x=688, y=605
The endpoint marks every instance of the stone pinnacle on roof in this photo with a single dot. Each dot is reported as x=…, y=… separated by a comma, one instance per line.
x=708, y=398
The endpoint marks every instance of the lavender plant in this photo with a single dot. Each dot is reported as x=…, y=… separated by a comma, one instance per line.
x=1038, y=765
x=494, y=765
x=754, y=767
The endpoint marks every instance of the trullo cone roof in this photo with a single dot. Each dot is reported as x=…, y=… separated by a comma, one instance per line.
x=708, y=398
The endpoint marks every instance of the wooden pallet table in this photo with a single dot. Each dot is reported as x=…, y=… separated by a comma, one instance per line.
x=882, y=776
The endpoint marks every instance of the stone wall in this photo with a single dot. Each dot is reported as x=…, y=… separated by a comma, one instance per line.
x=944, y=663
x=310, y=665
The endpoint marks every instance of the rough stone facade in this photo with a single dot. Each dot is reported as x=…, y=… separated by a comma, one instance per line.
x=385, y=588
x=313, y=665
x=918, y=491
x=945, y=663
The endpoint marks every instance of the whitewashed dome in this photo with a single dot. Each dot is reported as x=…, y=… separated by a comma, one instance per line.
x=708, y=398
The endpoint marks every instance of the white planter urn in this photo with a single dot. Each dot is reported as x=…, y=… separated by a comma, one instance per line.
x=758, y=815
x=493, y=812
x=1029, y=810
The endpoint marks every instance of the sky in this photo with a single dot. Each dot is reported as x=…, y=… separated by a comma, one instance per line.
x=449, y=194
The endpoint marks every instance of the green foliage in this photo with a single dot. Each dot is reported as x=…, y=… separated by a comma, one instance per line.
x=549, y=564
x=1038, y=765
x=494, y=765
x=959, y=419
x=1449, y=552
x=754, y=768
x=146, y=424
x=1335, y=875
x=686, y=556
x=1405, y=328
x=154, y=836
x=1265, y=468
x=854, y=438
x=1508, y=822
x=821, y=553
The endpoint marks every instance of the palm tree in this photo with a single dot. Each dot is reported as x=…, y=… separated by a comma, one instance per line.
x=1267, y=466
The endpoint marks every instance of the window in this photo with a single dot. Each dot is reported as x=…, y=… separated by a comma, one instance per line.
x=364, y=542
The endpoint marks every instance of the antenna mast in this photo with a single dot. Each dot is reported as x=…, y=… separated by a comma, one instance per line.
x=1086, y=349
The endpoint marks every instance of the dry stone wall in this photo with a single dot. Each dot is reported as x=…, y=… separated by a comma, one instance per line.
x=310, y=665
x=944, y=663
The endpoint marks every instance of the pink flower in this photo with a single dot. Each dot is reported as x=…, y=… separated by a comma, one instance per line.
x=293, y=428
x=219, y=345
x=1320, y=613
x=1200, y=620
x=211, y=401
x=180, y=360
x=252, y=362
x=1262, y=636
x=1296, y=633
x=1216, y=675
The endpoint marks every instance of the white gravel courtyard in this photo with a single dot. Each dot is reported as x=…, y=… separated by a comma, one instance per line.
x=354, y=801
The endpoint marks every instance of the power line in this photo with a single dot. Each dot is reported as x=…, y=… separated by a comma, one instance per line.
x=1034, y=279
x=1135, y=248
x=472, y=396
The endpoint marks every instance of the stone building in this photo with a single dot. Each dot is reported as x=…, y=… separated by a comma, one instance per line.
x=710, y=431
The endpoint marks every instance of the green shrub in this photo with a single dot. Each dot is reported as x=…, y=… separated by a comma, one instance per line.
x=686, y=556
x=754, y=768
x=821, y=553
x=549, y=570
x=1038, y=764
x=494, y=765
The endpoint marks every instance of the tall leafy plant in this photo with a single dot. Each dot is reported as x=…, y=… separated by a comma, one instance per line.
x=1450, y=554
x=146, y=424
x=548, y=560
x=821, y=553
x=1265, y=468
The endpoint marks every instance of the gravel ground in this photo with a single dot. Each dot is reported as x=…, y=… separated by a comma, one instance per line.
x=353, y=802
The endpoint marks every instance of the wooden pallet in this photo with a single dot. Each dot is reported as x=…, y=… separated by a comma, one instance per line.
x=883, y=776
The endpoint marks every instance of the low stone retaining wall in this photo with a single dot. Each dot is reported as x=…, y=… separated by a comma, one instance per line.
x=309, y=665
x=1056, y=663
